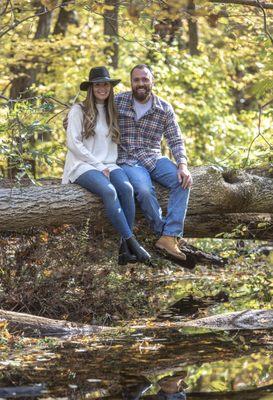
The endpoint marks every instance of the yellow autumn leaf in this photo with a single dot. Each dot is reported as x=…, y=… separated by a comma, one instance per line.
x=3, y=324
x=50, y=4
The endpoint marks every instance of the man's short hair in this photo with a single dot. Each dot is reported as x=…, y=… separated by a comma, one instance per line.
x=141, y=66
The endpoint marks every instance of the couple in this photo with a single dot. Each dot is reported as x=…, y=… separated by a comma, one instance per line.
x=114, y=152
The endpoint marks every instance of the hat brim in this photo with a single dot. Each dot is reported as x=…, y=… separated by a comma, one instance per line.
x=85, y=85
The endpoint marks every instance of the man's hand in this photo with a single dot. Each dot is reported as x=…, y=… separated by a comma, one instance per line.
x=184, y=176
x=106, y=172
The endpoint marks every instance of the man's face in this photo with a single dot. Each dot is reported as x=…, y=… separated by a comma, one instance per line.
x=142, y=83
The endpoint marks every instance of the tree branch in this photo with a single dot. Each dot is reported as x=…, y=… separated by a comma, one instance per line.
x=265, y=21
x=38, y=14
x=252, y=3
x=260, y=134
x=8, y=2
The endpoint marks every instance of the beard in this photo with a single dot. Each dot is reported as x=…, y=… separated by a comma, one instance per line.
x=144, y=94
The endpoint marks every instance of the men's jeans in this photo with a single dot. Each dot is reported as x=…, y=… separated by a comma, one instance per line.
x=164, y=173
x=117, y=195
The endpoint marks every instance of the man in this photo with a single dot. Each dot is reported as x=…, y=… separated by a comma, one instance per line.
x=144, y=119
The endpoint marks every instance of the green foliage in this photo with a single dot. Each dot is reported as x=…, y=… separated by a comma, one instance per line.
x=24, y=128
x=216, y=94
x=226, y=376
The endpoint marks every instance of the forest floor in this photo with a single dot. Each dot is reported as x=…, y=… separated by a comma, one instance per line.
x=71, y=273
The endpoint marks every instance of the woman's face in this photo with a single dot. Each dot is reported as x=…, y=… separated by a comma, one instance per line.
x=101, y=91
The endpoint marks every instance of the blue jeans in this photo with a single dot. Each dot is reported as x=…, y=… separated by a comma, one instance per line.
x=164, y=173
x=117, y=195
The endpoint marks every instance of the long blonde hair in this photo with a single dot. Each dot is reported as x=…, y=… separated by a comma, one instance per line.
x=90, y=114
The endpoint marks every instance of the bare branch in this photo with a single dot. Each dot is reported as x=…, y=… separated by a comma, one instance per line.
x=45, y=98
x=260, y=134
x=265, y=22
x=38, y=14
x=252, y=3
x=8, y=2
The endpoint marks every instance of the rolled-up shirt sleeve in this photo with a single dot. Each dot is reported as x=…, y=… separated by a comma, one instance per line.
x=74, y=139
x=174, y=137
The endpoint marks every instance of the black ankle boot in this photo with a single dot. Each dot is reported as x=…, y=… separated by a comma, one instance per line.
x=125, y=256
x=141, y=254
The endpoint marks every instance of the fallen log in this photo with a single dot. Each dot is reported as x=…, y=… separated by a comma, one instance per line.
x=48, y=326
x=240, y=320
x=230, y=225
x=249, y=319
x=220, y=201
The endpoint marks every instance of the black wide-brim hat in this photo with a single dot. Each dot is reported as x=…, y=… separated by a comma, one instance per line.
x=98, y=75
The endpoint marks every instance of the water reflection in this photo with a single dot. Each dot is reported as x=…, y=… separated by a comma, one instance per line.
x=171, y=388
x=152, y=363
x=79, y=373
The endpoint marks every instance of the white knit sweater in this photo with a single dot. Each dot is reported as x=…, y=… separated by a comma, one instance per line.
x=96, y=152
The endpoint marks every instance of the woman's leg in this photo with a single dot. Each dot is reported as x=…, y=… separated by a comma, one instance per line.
x=125, y=193
x=97, y=183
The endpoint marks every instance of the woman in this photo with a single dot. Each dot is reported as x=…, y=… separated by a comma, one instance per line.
x=92, y=137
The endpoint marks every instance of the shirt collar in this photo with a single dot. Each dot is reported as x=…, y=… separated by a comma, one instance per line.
x=127, y=107
x=155, y=104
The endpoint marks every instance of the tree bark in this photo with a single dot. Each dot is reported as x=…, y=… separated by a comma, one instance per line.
x=219, y=202
x=48, y=326
x=193, y=29
x=44, y=24
x=111, y=31
x=238, y=320
x=248, y=319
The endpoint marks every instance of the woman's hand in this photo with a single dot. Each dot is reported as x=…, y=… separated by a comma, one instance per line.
x=106, y=172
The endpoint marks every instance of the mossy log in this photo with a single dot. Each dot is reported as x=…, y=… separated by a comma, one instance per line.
x=47, y=326
x=220, y=202
x=238, y=320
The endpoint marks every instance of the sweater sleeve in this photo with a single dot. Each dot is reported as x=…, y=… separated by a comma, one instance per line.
x=74, y=139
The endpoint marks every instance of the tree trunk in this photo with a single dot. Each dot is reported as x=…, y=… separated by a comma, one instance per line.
x=193, y=29
x=219, y=202
x=25, y=78
x=44, y=24
x=65, y=18
x=111, y=31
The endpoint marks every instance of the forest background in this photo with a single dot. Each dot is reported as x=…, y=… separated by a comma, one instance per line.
x=212, y=62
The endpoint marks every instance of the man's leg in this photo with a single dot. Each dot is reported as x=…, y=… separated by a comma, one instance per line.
x=145, y=194
x=165, y=173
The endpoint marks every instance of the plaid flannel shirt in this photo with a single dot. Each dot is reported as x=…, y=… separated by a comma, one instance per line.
x=141, y=140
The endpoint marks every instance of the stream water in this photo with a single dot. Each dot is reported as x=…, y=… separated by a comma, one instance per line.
x=154, y=362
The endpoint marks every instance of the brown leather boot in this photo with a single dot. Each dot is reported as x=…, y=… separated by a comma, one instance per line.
x=169, y=245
